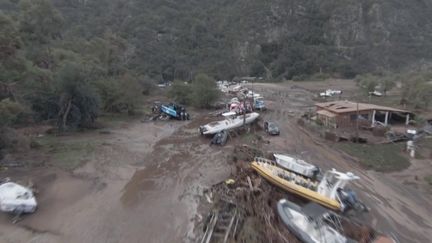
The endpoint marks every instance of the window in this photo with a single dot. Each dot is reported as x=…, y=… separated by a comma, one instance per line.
x=364, y=116
x=353, y=117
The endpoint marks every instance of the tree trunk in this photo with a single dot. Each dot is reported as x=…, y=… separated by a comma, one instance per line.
x=66, y=113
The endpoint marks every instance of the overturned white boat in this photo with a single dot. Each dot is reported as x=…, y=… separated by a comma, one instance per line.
x=232, y=120
x=17, y=199
x=309, y=223
x=296, y=165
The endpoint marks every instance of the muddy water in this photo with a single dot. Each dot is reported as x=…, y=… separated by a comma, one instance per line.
x=169, y=186
x=141, y=185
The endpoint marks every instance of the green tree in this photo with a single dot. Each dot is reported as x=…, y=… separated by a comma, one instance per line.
x=40, y=21
x=79, y=101
x=10, y=40
x=387, y=83
x=9, y=111
x=120, y=94
x=203, y=91
x=367, y=82
x=180, y=92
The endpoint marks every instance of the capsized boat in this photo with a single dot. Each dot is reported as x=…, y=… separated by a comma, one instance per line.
x=15, y=198
x=231, y=121
x=296, y=165
x=309, y=223
x=328, y=192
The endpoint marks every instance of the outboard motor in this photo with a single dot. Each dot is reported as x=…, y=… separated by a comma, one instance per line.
x=349, y=200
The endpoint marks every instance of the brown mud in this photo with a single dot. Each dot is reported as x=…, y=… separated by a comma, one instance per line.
x=145, y=181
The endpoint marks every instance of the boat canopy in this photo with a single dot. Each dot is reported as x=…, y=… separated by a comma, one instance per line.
x=227, y=114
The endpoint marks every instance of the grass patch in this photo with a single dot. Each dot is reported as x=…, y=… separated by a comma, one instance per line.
x=379, y=157
x=428, y=179
x=64, y=153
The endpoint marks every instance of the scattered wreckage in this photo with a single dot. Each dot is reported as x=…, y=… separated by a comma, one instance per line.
x=171, y=110
x=246, y=208
x=16, y=199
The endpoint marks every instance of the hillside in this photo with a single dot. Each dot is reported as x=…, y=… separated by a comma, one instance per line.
x=70, y=59
x=277, y=39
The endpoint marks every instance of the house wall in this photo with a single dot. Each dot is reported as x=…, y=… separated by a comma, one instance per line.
x=345, y=120
x=349, y=119
x=327, y=121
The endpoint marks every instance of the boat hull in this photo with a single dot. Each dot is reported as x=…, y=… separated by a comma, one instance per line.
x=226, y=125
x=295, y=189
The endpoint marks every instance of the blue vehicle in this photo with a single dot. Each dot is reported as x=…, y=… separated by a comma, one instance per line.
x=259, y=104
x=171, y=111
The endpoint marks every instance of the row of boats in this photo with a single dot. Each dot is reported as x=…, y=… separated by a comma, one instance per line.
x=327, y=192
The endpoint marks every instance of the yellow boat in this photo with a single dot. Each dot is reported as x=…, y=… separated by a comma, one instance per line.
x=324, y=192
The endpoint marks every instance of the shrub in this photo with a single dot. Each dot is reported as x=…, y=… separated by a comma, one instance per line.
x=204, y=91
x=180, y=92
x=119, y=94
x=201, y=93
x=10, y=111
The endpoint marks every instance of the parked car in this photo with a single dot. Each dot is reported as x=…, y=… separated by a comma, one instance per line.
x=330, y=93
x=220, y=138
x=271, y=128
x=375, y=93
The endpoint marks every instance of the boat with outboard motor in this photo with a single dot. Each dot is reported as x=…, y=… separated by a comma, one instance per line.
x=309, y=223
x=312, y=223
x=329, y=191
x=231, y=121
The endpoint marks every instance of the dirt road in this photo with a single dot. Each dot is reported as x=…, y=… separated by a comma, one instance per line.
x=144, y=181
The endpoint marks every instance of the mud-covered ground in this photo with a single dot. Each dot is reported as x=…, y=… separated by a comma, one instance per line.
x=143, y=181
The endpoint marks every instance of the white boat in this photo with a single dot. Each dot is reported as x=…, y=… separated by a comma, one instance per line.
x=296, y=165
x=231, y=121
x=309, y=223
x=15, y=198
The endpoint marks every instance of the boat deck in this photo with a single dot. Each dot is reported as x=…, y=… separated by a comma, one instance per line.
x=288, y=175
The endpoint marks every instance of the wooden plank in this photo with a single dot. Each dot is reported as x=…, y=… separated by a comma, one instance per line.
x=250, y=183
x=212, y=227
x=229, y=227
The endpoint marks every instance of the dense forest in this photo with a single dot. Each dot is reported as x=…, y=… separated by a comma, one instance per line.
x=67, y=60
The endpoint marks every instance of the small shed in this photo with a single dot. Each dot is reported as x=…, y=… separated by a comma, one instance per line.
x=348, y=114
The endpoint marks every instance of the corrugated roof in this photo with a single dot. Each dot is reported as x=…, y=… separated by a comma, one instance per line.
x=343, y=106
x=326, y=113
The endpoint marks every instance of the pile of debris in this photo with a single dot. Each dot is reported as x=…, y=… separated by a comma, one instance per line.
x=243, y=211
x=243, y=208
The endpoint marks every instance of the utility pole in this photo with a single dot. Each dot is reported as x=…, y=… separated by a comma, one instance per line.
x=244, y=111
x=357, y=122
